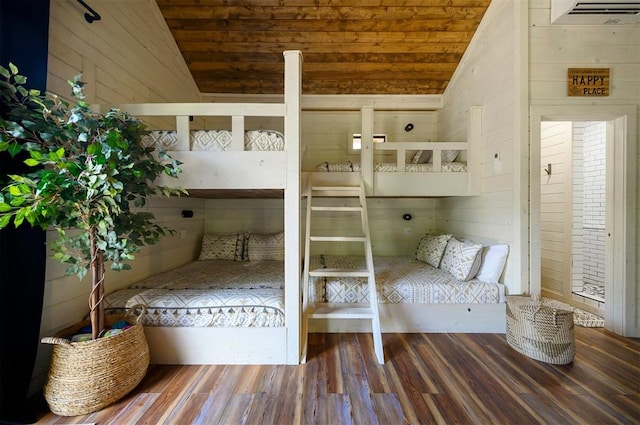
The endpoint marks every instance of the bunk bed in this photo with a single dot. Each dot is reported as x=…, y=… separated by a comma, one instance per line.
x=267, y=163
x=420, y=169
x=261, y=161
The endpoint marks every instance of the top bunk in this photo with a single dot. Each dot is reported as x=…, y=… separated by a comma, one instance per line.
x=227, y=149
x=397, y=168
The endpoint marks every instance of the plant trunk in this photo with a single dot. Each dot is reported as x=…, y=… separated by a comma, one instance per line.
x=97, y=289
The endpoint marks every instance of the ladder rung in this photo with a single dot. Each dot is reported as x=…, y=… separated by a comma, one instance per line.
x=337, y=238
x=341, y=313
x=336, y=188
x=339, y=273
x=313, y=208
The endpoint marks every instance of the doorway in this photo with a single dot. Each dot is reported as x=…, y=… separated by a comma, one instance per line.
x=573, y=212
x=619, y=229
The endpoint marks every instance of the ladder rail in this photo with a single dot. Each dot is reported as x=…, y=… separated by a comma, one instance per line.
x=370, y=310
x=305, y=273
x=373, y=293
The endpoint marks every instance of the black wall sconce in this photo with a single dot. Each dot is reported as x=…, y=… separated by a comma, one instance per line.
x=91, y=15
x=408, y=127
x=406, y=217
x=187, y=213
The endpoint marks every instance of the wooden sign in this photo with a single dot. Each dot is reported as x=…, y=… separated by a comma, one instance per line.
x=588, y=82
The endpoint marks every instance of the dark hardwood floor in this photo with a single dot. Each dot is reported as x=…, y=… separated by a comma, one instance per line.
x=427, y=378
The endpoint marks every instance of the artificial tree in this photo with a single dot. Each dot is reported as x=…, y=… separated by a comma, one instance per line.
x=89, y=178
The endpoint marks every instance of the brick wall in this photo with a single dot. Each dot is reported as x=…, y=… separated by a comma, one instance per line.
x=589, y=215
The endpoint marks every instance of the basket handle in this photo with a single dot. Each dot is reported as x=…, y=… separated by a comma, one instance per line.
x=132, y=309
x=55, y=340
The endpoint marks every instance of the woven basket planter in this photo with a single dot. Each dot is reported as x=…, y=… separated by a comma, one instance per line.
x=540, y=332
x=85, y=377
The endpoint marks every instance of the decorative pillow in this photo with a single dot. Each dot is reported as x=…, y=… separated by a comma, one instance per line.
x=431, y=247
x=245, y=246
x=266, y=246
x=219, y=247
x=461, y=259
x=493, y=260
x=449, y=155
x=421, y=157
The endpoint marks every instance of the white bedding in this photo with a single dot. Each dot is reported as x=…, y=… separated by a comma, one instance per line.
x=209, y=293
x=399, y=280
x=216, y=140
x=446, y=167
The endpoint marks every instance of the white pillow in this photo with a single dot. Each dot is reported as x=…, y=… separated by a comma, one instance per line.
x=448, y=155
x=430, y=249
x=461, y=259
x=494, y=258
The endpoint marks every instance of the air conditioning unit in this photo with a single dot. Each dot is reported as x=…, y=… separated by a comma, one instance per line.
x=592, y=12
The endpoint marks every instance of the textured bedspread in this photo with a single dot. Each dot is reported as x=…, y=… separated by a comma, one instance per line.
x=399, y=280
x=210, y=293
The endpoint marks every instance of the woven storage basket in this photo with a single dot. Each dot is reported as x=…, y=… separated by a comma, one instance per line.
x=540, y=332
x=85, y=377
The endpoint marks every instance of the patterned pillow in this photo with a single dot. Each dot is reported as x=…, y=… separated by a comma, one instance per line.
x=421, y=157
x=245, y=246
x=461, y=259
x=219, y=247
x=266, y=246
x=431, y=247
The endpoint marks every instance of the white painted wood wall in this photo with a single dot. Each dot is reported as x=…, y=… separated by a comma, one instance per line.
x=127, y=56
x=556, y=213
x=554, y=48
x=486, y=77
x=390, y=233
x=327, y=134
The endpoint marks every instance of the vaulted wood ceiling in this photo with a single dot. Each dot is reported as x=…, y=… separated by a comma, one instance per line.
x=376, y=47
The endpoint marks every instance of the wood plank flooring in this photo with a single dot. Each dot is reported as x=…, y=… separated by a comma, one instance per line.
x=427, y=378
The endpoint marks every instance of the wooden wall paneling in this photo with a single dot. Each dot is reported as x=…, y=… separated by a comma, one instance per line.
x=554, y=48
x=121, y=48
x=485, y=77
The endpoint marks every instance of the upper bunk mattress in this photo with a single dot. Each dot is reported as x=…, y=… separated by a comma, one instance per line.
x=399, y=280
x=209, y=293
x=216, y=140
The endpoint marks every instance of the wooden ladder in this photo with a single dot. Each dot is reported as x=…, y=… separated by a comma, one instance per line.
x=367, y=311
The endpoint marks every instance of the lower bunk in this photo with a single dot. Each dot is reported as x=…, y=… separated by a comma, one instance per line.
x=220, y=309
x=419, y=294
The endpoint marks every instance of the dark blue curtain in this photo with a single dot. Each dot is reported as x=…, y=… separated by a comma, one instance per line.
x=24, y=32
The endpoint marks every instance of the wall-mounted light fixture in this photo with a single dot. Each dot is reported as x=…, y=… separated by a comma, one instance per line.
x=91, y=15
x=187, y=213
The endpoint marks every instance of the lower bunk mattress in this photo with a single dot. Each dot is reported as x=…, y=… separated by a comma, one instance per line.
x=209, y=293
x=399, y=280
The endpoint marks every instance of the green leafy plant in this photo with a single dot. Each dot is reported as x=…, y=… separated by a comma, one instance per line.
x=87, y=176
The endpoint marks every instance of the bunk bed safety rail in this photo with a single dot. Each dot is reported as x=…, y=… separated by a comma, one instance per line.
x=436, y=148
x=184, y=111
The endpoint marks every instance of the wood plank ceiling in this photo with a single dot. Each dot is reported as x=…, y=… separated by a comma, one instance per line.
x=349, y=46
